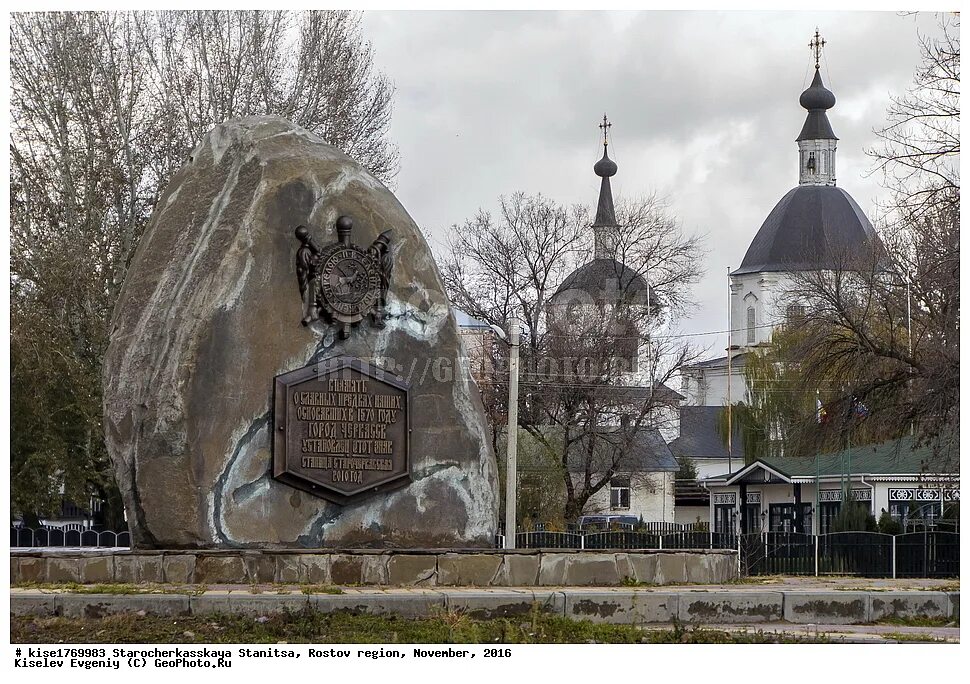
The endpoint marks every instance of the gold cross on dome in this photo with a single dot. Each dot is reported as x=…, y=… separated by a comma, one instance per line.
x=605, y=126
x=816, y=46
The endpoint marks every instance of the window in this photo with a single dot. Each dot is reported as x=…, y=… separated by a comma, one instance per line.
x=782, y=518
x=795, y=313
x=750, y=325
x=725, y=519
x=911, y=515
x=752, y=514
x=829, y=509
x=620, y=493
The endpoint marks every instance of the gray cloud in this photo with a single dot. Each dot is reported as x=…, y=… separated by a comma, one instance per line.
x=704, y=106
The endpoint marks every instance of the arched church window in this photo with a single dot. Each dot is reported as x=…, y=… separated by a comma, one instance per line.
x=811, y=162
x=750, y=325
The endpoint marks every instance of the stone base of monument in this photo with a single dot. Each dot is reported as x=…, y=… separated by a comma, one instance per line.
x=411, y=567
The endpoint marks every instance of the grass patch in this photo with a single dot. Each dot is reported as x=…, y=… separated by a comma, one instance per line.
x=915, y=638
x=919, y=621
x=309, y=589
x=313, y=627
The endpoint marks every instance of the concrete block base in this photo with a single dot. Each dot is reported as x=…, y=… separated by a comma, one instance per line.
x=412, y=567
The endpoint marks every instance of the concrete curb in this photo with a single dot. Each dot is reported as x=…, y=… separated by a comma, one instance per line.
x=602, y=605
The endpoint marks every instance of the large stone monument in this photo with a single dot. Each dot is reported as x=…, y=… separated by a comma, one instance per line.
x=284, y=369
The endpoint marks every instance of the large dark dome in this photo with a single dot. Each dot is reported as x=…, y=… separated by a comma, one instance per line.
x=813, y=227
x=606, y=280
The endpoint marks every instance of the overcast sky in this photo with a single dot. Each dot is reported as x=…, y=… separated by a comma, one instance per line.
x=704, y=106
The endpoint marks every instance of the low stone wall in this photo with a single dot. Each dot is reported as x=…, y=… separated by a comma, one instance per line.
x=428, y=567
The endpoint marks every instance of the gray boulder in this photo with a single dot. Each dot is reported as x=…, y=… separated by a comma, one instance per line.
x=210, y=313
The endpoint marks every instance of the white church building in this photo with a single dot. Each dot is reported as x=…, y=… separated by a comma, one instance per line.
x=817, y=225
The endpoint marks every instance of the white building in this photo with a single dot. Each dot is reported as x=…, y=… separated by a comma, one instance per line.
x=794, y=494
x=816, y=226
x=606, y=294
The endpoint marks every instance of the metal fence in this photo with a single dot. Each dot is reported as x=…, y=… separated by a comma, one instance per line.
x=927, y=554
x=864, y=554
x=621, y=540
x=25, y=537
x=930, y=553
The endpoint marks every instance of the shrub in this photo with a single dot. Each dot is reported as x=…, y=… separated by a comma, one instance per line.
x=888, y=524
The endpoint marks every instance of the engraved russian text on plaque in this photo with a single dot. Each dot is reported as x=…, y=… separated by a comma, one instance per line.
x=340, y=429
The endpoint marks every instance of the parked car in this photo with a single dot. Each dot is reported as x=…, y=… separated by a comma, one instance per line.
x=607, y=522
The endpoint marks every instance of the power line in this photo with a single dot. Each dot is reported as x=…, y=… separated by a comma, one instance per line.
x=654, y=337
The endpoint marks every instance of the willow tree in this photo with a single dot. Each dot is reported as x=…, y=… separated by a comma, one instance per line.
x=879, y=337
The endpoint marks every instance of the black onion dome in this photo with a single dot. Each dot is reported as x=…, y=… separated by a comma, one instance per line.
x=605, y=167
x=813, y=227
x=816, y=99
x=817, y=96
x=607, y=280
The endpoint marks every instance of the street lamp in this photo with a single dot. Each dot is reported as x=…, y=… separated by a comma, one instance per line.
x=512, y=430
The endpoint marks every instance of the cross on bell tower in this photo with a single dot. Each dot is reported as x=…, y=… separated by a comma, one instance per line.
x=816, y=45
x=605, y=126
x=817, y=142
x=604, y=226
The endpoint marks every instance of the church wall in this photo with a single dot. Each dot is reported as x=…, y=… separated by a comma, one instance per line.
x=766, y=294
x=709, y=386
x=822, y=151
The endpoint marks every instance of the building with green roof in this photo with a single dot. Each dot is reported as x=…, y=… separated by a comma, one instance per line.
x=804, y=494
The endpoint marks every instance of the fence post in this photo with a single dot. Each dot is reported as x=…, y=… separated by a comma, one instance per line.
x=582, y=541
x=894, y=556
x=816, y=555
x=660, y=542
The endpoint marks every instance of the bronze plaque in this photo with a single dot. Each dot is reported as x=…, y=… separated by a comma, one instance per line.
x=341, y=429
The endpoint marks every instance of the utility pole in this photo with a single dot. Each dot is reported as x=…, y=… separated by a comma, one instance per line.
x=730, y=427
x=909, y=339
x=511, y=474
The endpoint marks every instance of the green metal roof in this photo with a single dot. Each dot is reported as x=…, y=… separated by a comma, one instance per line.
x=895, y=457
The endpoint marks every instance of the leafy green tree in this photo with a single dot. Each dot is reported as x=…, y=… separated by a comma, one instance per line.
x=888, y=524
x=688, y=471
x=854, y=516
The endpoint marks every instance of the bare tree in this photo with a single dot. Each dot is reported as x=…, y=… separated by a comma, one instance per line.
x=593, y=396
x=919, y=155
x=887, y=324
x=105, y=107
x=311, y=67
x=877, y=339
x=884, y=338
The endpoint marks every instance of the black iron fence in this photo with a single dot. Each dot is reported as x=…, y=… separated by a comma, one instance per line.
x=25, y=537
x=927, y=554
x=621, y=540
x=864, y=554
x=930, y=553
